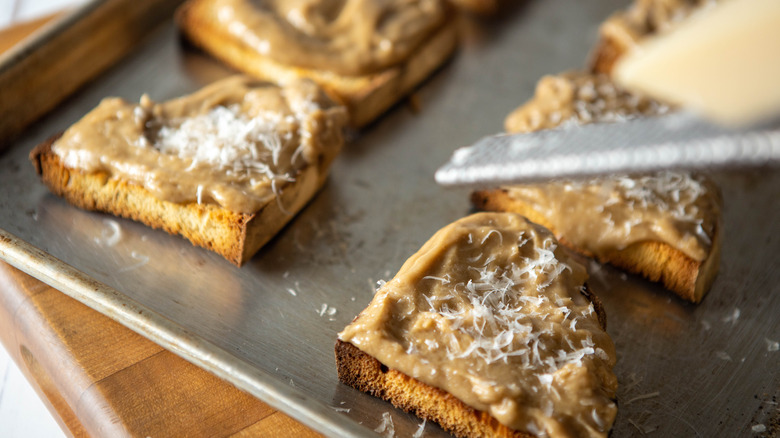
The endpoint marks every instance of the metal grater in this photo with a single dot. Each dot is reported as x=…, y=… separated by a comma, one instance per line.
x=678, y=141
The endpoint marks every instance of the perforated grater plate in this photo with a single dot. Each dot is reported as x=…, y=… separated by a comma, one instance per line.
x=635, y=146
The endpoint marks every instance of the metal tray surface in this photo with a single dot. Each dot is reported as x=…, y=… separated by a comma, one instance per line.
x=269, y=327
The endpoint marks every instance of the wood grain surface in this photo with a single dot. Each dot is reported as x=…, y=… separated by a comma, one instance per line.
x=99, y=378
x=38, y=77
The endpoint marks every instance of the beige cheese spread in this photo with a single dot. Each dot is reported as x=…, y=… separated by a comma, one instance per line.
x=348, y=37
x=611, y=213
x=490, y=310
x=647, y=17
x=576, y=98
x=601, y=215
x=233, y=143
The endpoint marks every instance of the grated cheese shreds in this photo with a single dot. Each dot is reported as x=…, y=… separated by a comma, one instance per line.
x=758, y=428
x=578, y=98
x=420, y=429
x=111, y=235
x=225, y=138
x=386, y=427
x=608, y=213
x=490, y=310
x=235, y=143
x=733, y=317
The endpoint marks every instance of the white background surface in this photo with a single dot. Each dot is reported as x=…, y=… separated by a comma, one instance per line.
x=14, y=11
x=22, y=412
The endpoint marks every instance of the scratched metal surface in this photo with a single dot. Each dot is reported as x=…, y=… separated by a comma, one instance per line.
x=269, y=327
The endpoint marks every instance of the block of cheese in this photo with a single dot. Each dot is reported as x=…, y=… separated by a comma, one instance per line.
x=722, y=62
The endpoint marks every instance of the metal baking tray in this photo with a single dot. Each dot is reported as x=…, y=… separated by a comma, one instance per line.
x=684, y=370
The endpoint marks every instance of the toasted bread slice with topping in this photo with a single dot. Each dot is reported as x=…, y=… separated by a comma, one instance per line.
x=277, y=169
x=665, y=226
x=366, y=95
x=488, y=330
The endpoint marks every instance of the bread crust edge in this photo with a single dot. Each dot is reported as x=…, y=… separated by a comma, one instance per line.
x=365, y=97
x=655, y=261
x=235, y=236
x=365, y=373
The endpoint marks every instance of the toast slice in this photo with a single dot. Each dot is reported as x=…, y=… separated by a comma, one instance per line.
x=236, y=234
x=623, y=30
x=652, y=259
x=366, y=95
x=673, y=218
x=488, y=330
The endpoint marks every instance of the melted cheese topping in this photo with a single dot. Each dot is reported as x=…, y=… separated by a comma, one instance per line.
x=349, y=37
x=234, y=143
x=490, y=310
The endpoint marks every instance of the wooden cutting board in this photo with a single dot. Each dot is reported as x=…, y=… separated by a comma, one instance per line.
x=98, y=378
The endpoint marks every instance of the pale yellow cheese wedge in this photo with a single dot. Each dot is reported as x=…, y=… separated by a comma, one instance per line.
x=722, y=62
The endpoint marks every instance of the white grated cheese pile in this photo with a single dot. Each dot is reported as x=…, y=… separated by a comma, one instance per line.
x=499, y=321
x=227, y=139
x=673, y=192
x=235, y=143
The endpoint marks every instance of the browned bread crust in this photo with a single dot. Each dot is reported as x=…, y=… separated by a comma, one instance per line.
x=235, y=236
x=656, y=261
x=619, y=33
x=365, y=97
x=365, y=373
x=605, y=54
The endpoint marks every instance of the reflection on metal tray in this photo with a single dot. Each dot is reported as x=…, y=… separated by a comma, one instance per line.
x=269, y=327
